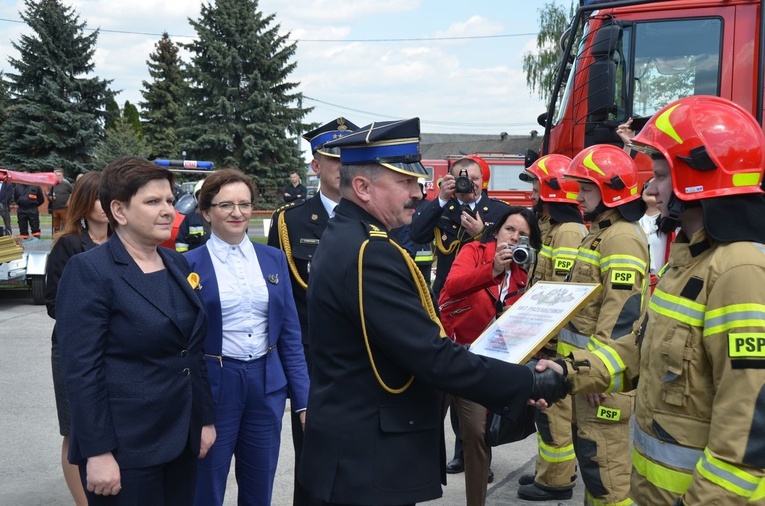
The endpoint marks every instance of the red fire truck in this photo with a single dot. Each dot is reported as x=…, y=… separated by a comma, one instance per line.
x=627, y=59
x=504, y=183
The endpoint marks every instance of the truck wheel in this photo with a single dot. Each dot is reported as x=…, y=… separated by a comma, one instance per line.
x=38, y=289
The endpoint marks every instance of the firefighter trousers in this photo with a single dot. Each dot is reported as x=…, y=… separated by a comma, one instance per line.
x=556, y=461
x=603, y=448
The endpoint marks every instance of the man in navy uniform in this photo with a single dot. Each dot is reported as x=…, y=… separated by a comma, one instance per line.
x=380, y=358
x=455, y=218
x=296, y=228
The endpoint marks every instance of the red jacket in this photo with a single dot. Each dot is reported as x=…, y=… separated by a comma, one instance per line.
x=468, y=299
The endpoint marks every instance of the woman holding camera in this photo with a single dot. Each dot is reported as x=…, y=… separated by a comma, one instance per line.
x=482, y=281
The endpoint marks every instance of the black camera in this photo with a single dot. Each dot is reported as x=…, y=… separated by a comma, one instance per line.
x=523, y=253
x=463, y=184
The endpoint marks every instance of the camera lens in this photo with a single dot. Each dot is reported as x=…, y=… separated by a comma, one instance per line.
x=463, y=185
x=520, y=255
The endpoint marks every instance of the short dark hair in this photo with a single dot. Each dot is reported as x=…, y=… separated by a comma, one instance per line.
x=348, y=172
x=535, y=235
x=217, y=180
x=122, y=179
x=462, y=163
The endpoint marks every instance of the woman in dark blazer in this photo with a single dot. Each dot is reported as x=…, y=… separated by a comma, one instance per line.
x=130, y=328
x=86, y=227
x=253, y=343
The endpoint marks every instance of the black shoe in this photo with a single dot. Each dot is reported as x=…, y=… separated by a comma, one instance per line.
x=455, y=466
x=491, y=476
x=535, y=493
x=526, y=479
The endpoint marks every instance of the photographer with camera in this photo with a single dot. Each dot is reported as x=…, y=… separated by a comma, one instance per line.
x=486, y=277
x=458, y=216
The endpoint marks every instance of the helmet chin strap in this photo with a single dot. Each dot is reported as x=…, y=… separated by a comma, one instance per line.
x=669, y=223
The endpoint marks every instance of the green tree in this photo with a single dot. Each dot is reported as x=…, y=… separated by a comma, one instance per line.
x=130, y=113
x=112, y=113
x=541, y=66
x=163, y=100
x=121, y=140
x=243, y=108
x=55, y=111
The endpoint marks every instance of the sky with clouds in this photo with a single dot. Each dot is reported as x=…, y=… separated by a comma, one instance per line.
x=365, y=60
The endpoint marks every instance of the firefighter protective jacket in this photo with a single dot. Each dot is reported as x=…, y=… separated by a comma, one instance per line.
x=560, y=242
x=614, y=254
x=700, y=415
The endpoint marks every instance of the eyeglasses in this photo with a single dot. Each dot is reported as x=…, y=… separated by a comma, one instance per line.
x=228, y=207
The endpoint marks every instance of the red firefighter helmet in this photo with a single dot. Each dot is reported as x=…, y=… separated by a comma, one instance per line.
x=609, y=167
x=714, y=147
x=553, y=187
x=485, y=169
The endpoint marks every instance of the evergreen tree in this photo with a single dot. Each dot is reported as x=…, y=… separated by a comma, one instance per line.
x=112, y=113
x=163, y=100
x=541, y=67
x=122, y=140
x=130, y=113
x=242, y=106
x=55, y=112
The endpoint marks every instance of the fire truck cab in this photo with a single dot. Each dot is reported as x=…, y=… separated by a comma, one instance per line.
x=627, y=59
x=504, y=183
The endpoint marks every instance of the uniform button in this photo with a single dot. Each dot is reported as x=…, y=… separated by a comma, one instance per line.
x=184, y=353
x=411, y=422
x=186, y=371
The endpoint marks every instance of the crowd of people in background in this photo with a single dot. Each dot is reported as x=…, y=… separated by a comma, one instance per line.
x=167, y=364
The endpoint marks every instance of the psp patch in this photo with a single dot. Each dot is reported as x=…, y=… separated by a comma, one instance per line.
x=563, y=264
x=750, y=345
x=623, y=279
x=613, y=415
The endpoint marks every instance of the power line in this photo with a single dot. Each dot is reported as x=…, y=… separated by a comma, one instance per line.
x=408, y=39
x=425, y=122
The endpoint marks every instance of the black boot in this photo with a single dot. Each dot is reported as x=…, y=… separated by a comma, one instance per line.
x=535, y=492
x=526, y=479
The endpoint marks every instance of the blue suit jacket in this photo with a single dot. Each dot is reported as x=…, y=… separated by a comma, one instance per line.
x=136, y=382
x=285, y=360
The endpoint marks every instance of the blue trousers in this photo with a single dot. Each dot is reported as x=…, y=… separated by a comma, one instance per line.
x=248, y=425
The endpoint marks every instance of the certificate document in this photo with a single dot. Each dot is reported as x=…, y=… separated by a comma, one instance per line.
x=526, y=326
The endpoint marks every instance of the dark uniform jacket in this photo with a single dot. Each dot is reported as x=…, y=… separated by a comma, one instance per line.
x=365, y=445
x=294, y=191
x=304, y=223
x=28, y=196
x=444, y=224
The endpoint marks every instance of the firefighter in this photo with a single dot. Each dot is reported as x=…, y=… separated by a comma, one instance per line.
x=194, y=230
x=699, y=431
x=560, y=220
x=615, y=254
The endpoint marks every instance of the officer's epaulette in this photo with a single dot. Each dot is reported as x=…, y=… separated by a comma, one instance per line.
x=375, y=233
x=291, y=205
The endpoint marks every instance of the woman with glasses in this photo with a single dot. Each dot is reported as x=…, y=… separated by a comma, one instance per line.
x=483, y=280
x=253, y=349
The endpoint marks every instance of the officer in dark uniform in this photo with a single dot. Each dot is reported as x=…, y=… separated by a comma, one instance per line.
x=296, y=228
x=455, y=218
x=380, y=358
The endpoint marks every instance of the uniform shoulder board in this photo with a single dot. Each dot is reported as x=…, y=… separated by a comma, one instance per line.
x=291, y=205
x=375, y=233
x=500, y=200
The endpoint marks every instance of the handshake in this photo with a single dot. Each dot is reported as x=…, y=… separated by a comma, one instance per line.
x=549, y=385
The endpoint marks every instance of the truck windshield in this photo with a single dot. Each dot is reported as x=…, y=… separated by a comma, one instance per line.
x=652, y=64
x=675, y=59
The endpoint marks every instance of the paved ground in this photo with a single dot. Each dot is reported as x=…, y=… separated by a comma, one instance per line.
x=30, y=444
